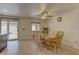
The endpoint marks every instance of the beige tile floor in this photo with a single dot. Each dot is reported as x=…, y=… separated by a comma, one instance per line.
x=29, y=47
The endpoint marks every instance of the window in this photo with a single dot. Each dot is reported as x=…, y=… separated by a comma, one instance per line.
x=35, y=26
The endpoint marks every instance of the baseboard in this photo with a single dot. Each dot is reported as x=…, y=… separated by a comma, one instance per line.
x=70, y=48
x=25, y=39
x=12, y=40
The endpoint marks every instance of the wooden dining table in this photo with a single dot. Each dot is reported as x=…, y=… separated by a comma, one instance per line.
x=48, y=42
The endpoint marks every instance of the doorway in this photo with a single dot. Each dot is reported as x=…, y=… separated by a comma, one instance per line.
x=10, y=27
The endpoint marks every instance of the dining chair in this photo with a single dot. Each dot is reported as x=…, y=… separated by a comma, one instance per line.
x=58, y=40
x=55, y=43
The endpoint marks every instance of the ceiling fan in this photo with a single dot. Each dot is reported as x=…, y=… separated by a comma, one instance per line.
x=44, y=15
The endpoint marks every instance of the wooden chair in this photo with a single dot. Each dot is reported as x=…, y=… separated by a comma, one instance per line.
x=58, y=39
x=55, y=43
x=52, y=43
x=42, y=41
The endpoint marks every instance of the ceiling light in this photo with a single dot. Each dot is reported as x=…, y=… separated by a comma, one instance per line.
x=5, y=10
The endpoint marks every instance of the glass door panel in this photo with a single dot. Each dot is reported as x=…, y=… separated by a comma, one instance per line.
x=13, y=26
x=4, y=26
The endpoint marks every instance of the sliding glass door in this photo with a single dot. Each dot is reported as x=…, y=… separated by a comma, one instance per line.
x=13, y=27
x=4, y=27
x=10, y=27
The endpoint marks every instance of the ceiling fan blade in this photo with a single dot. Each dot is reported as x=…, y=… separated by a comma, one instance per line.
x=49, y=16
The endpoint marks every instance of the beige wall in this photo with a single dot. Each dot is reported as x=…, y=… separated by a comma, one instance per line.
x=26, y=23
x=70, y=26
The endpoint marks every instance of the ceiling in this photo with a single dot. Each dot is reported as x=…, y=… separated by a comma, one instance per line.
x=32, y=9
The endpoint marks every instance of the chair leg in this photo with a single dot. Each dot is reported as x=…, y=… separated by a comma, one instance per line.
x=55, y=50
x=61, y=49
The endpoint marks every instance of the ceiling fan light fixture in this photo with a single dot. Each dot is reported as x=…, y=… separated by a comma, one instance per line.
x=43, y=17
x=45, y=14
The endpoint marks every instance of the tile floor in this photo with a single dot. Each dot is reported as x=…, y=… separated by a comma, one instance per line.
x=29, y=47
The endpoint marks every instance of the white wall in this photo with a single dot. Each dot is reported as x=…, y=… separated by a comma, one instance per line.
x=70, y=26
x=0, y=25
x=27, y=33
